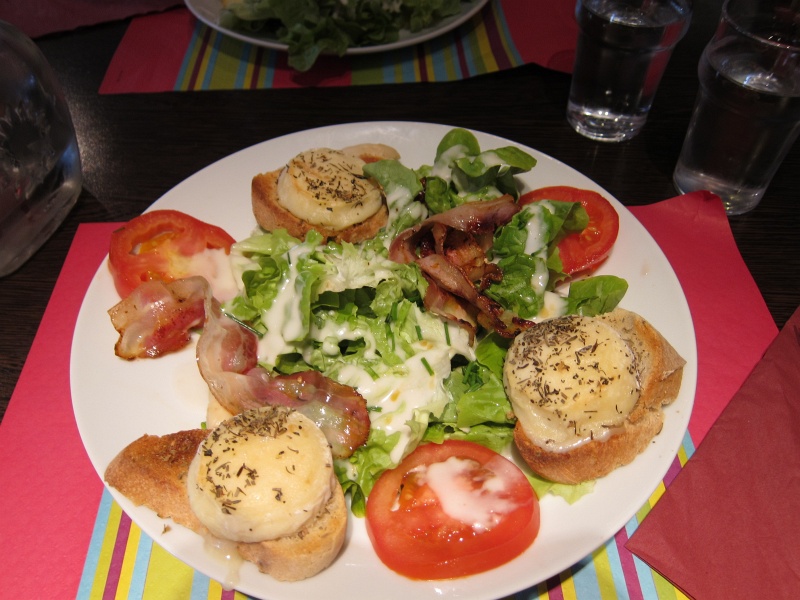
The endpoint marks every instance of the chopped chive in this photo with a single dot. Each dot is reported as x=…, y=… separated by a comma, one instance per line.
x=427, y=366
x=447, y=333
x=245, y=325
x=389, y=336
x=419, y=332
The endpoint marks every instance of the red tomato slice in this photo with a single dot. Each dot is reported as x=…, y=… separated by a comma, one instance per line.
x=451, y=510
x=585, y=250
x=159, y=245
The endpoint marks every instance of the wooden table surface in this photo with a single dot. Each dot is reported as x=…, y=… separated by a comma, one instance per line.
x=136, y=147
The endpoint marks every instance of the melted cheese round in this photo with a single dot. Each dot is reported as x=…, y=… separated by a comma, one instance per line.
x=570, y=380
x=328, y=188
x=261, y=475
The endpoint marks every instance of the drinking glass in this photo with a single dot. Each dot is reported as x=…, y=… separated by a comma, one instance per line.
x=747, y=113
x=623, y=49
x=40, y=169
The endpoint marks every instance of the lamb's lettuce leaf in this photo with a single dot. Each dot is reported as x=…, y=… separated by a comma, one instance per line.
x=595, y=295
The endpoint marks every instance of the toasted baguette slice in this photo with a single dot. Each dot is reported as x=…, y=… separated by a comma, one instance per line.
x=152, y=471
x=271, y=215
x=660, y=371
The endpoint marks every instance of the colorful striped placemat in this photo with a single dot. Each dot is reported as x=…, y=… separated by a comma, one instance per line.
x=173, y=51
x=124, y=562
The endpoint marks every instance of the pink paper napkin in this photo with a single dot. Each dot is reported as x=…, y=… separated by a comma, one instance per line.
x=728, y=525
x=732, y=324
x=51, y=492
x=40, y=17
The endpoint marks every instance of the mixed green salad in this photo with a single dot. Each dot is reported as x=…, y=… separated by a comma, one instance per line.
x=349, y=311
x=313, y=27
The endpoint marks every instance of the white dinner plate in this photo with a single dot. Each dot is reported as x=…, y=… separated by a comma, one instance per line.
x=116, y=401
x=208, y=12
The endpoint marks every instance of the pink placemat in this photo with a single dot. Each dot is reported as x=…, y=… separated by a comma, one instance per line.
x=52, y=497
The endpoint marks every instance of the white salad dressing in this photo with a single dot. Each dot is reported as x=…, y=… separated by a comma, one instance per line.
x=555, y=305
x=401, y=200
x=331, y=333
x=214, y=264
x=408, y=393
x=491, y=159
x=442, y=167
x=284, y=319
x=537, y=232
x=481, y=507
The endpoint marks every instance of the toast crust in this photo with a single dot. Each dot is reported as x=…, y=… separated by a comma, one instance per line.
x=660, y=374
x=152, y=472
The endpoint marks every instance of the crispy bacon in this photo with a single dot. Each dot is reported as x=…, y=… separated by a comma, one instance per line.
x=450, y=249
x=157, y=318
x=451, y=307
x=228, y=361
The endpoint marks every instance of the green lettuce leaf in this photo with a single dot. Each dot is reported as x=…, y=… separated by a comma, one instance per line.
x=401, y=186
x=570, y=493
x=595, y=295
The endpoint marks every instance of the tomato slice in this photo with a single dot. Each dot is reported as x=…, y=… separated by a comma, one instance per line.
x=159, y=245
x=585, y=250
x=451, y=510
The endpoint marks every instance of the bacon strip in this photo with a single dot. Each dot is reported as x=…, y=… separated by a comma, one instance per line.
x=450, y=249
x=228, y=361
x=451, y=307
x=157, y=318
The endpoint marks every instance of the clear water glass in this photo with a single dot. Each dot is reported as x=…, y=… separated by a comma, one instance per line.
x=622, y=51
x=747, y=113
x=40, y=168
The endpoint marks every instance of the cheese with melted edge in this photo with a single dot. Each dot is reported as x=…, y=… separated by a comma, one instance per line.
x=261, y=475
x=570, y=380
x=328, y=188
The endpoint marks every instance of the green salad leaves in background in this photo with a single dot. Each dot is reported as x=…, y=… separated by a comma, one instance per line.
x=313, y=27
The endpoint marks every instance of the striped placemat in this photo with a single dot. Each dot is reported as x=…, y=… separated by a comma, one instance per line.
x=173, y=51
x=124, y=562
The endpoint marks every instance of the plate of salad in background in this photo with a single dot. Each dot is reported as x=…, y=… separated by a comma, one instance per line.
x=308, y=28
x=168, y=394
